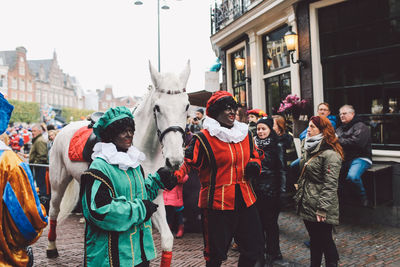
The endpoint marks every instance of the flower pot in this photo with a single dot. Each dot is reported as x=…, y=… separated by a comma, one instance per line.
x=298, y=127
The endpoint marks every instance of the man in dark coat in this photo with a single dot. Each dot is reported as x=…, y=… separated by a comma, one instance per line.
x=355, y=137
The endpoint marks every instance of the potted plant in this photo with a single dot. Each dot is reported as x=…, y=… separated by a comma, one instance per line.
x=294, y=110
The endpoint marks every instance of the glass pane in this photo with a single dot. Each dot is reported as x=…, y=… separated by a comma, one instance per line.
x=238, y=78
x=275, y=54
x=277, y=88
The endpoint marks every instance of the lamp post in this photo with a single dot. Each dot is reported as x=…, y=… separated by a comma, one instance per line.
x=165, y=7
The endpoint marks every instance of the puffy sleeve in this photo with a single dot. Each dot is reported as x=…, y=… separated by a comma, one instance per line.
x=102, y=208
x=153, y=184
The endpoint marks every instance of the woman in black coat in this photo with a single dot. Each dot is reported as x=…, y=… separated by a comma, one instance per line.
x=268, y=186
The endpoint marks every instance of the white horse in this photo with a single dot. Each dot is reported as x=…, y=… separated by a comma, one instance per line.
x=160, y=120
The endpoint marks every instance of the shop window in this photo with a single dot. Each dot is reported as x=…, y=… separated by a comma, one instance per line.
x=275, y=54
x=360, y=52
x=239, y=78
x=277, y=88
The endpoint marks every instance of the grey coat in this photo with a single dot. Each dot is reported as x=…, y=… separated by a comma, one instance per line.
x=317, y=188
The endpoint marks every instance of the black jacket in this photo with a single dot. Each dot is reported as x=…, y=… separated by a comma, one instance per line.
x=268, y=184
x=355, y=138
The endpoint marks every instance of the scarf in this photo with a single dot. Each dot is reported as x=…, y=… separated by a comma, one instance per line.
x=312, y=142
x=108, y=151
x=262, y=142
x=235, y=134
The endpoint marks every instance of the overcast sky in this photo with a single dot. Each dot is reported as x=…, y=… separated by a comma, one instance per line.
x=103, y=42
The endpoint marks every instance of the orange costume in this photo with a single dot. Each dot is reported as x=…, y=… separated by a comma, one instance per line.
x=22, y=216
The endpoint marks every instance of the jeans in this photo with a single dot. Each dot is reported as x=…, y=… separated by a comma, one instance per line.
x=357, y=167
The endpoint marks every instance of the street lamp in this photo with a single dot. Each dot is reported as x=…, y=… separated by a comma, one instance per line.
x=165, y=7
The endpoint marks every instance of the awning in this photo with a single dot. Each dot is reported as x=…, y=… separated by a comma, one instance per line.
x=199, y=98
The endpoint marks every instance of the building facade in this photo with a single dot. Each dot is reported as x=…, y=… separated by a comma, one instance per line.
x=346, y=54
x=20, y=81
x=106, y=98
x=53, y=86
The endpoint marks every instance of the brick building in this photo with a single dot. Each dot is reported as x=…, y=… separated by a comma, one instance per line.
x=106, y=98
x=20, y=81
x=41, y=81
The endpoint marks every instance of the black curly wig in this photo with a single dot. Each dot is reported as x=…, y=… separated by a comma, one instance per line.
x=220, y=105
x=116, y=128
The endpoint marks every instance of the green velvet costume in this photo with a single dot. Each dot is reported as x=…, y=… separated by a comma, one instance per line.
x=116, y=233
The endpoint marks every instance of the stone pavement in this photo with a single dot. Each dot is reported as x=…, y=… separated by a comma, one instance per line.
x=358, y=245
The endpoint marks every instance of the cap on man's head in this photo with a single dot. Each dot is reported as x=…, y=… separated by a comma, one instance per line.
x=5, y=113
x=200, y=110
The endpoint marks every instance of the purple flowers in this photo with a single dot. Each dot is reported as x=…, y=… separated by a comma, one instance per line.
x=292, y=105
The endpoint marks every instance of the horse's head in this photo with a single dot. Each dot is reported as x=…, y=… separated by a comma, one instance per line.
x=170, y=108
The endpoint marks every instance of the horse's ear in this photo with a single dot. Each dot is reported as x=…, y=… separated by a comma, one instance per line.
x=155, y=75
x=184, y=76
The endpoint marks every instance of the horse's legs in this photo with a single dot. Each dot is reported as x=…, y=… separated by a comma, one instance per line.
x=159, y=220
x=59, y=181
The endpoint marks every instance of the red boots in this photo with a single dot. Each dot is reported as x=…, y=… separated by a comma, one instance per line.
x=181, y=230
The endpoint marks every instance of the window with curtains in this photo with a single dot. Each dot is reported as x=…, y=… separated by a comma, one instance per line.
x=360, y=53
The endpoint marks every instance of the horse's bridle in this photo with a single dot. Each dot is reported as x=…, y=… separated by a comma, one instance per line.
x=169, y=129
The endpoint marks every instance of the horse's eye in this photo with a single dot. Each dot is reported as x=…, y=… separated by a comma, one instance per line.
x=187, y=107
x=157, y=108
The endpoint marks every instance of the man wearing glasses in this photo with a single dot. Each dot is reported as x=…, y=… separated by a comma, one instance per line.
x=355, y=138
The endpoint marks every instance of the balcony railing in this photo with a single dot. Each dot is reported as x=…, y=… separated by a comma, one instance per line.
x=225, y=12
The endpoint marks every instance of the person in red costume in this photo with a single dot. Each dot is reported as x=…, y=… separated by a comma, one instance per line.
x=226, y=159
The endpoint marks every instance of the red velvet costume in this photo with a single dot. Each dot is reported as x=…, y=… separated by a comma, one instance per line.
x=231, y=159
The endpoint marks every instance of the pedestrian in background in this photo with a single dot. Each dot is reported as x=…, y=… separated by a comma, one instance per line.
x=116, y=197
x=39, y=155
x=253, y=115
x=317, y=198
x=267, y=186
x=355, y=137
x=241, y=114
x=173, y=201
x=225, y=157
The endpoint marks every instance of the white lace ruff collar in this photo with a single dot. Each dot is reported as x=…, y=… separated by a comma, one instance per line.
x=108, y=151
x=4, y=146
x=235, y=134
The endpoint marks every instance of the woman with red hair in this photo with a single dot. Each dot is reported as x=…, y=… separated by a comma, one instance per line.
x=316, y=198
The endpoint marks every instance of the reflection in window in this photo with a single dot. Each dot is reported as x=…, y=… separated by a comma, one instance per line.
x=360, y=70
x=275, y=54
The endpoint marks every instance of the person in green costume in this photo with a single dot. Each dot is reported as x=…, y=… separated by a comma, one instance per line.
x=116, y=198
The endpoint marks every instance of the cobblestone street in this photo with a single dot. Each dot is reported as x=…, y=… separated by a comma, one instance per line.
x=358, y=245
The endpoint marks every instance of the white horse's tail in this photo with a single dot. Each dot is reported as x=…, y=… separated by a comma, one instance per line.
x=69, y=200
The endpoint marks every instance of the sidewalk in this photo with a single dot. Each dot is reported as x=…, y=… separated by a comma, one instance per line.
x=358, y=245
